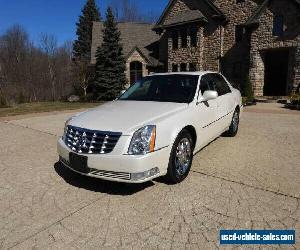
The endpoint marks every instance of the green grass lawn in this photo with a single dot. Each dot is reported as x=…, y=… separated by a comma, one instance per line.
x=39, y=107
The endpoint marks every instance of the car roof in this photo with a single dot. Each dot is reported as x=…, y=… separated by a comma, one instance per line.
x=197, y=73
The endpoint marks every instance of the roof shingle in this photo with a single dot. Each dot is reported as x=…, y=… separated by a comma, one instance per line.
x=133, y=35
x=185, y=16
x=254, y=18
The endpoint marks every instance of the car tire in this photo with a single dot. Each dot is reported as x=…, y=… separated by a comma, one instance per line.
x=181, y=158
x=234, y=126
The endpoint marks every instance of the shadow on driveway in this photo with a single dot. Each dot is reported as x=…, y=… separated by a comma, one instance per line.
x=98, y=185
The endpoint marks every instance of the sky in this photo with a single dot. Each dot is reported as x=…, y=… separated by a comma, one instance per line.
x=57, y=17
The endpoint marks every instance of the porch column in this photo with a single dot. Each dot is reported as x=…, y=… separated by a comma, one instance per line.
x=257, y=72
x=145, y=70
x=127, y=73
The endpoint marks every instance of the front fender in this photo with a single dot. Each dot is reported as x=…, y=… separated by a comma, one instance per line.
x=168, y=131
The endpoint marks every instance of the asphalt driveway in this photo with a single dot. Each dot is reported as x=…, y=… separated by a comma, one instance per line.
x=251, y=181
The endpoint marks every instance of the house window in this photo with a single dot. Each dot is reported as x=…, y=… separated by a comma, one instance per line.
x=239, y=33
x=175, y=40
x=183, y=34
x=174, y=68
x=192, y=67
x=278, y=25
x=136, y=71
x=194, y=37
x=183, y=67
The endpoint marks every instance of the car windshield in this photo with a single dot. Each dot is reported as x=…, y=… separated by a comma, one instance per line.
x=163, y=88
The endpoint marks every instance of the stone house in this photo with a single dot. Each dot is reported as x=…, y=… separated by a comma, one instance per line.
x=139, y=48
x=259, y=39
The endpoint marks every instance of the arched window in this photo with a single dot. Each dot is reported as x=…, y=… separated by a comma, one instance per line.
x=136, y=71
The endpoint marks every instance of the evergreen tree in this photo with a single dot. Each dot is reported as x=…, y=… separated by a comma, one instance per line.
x=82, y=46
x=110, y=76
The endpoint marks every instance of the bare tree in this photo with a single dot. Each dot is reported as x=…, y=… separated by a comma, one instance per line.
x=49, y=47
x=13, y=60
x=29, y=73
x=129, y=11
x=83, y=76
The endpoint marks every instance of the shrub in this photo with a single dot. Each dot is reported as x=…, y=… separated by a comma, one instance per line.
x=247, y=90
x=21, y=98
x=3, y=102
x=295, y=100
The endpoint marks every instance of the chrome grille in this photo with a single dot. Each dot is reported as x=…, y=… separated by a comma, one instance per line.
x=87, y=141
x=110, y=174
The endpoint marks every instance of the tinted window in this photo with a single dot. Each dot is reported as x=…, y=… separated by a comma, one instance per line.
x=207, y=83
x=221, y=85
x=163, y=88
x=214, y=82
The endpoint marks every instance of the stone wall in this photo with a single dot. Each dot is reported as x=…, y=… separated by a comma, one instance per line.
x=218, y=49
x=262, y=39
x=257, y=72
x=212, y=47
x=296, y=76
x=185, y=55
x=178, y=6
x=135, y=56
x=235, y=56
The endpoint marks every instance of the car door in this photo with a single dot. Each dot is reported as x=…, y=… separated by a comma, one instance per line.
x=225, y=102
x=206, y=113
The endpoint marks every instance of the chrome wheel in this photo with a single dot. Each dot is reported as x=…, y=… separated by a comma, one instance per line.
x=235, y=121
x=183, y=156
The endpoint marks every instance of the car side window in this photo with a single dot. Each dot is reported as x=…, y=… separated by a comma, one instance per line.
x=221, y=85
x=206, y=83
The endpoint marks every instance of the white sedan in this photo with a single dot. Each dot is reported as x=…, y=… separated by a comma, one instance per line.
x=154, y=128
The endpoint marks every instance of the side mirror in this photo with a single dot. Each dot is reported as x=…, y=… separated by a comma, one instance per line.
x=208, y=95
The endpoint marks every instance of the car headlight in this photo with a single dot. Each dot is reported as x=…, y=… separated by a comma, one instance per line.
x=143, y=141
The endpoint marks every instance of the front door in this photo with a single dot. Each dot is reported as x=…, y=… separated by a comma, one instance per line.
x=276, y=72
x=226, y=104
x=206, y=113
x=136, y=71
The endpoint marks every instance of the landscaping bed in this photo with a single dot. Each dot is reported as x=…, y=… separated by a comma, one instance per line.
x=40, y=107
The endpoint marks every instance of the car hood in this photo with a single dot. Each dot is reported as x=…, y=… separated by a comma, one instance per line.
x=125, y=116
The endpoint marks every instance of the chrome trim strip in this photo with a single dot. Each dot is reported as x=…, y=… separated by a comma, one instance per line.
x=96, y=131
x=217, y=120
x=99, y=173
x=150, y=152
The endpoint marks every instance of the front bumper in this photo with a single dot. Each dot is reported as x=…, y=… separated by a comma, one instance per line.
x=121, y=168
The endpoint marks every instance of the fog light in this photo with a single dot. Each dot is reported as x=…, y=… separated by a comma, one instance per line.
x=144, y=175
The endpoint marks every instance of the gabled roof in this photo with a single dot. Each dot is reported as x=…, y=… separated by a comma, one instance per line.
x=185, y=17
x=188, y=16
x=134, y=36
x=254, y=18
x=140, y=52
x=149, y=59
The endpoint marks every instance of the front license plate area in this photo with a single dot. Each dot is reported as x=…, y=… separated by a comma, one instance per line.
x=78, y=163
